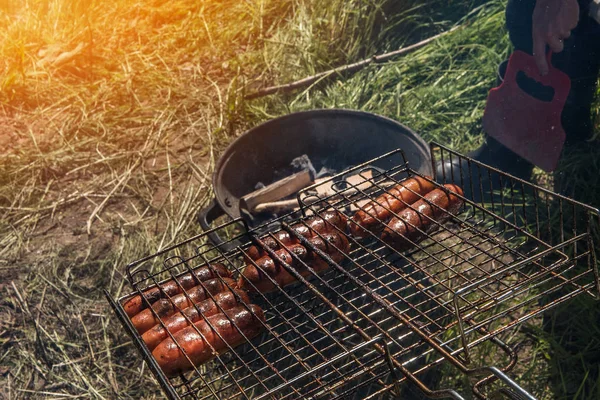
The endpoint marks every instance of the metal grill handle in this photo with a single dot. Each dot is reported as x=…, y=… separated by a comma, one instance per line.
x=516, y=392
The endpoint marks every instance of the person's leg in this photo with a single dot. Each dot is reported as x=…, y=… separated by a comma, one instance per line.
x=519, y=15
x=492, y=152
x=580, y=59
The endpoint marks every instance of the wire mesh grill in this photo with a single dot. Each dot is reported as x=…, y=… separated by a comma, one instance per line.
x=304, y=352
x=381, y=316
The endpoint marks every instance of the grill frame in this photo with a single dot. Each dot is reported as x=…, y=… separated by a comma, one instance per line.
x=386, y=365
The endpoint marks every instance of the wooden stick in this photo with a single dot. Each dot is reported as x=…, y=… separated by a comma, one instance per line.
x=276, y=190
x=277, y=206
x=345, y=69
x=292, y=204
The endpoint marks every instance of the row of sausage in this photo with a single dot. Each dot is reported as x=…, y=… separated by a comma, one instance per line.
x=188, y=320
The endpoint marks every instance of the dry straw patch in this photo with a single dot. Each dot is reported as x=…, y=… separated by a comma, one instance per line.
x=112, y=114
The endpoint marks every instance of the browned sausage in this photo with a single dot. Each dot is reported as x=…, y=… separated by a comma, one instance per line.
x=135, y=304
x=335, y=218
x=332, y=243
x=392, y=201
x=323, y=222
x=271, y=267
x=335, y=243
x=254, y=275
x=167, y=307
x=217, y=334
x=411, y=224
x=255, y=252
x=193, y=314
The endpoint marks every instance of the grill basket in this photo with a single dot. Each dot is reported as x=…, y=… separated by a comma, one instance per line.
x=382, y=322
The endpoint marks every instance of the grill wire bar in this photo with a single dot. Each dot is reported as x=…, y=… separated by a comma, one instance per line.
x=382, y=321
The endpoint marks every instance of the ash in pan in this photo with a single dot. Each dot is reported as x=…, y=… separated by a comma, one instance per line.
x=303, y=162
x=299, y=164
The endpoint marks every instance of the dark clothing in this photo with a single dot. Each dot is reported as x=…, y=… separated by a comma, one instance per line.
x=580, y=59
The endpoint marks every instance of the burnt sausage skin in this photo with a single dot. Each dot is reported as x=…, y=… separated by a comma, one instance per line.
x=254, y=275
x=323, y=222
x=216, y=332
x=411, y=224
x=135, y=304
x=204, y=309
x=394, y=200
x=167, y=307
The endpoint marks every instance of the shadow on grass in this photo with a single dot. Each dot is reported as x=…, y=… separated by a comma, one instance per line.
x=572, y=331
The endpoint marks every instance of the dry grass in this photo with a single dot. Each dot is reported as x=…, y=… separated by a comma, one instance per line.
x=112, y=114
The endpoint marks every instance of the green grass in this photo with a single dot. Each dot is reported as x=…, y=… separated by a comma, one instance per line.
x=113, y=114
x=438, y=91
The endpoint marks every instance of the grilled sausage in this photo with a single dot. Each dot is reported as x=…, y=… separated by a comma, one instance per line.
x=167, y=307
x=323, y=222
x=411, y=224
x=392, y=201
x=217, y=334
x=271, y=267
x=255, y=252
x=254, y=275
x=193, y=314
x=135, y=304
x=335, y=244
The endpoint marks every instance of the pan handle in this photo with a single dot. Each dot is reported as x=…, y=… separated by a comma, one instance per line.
x=206, y=217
